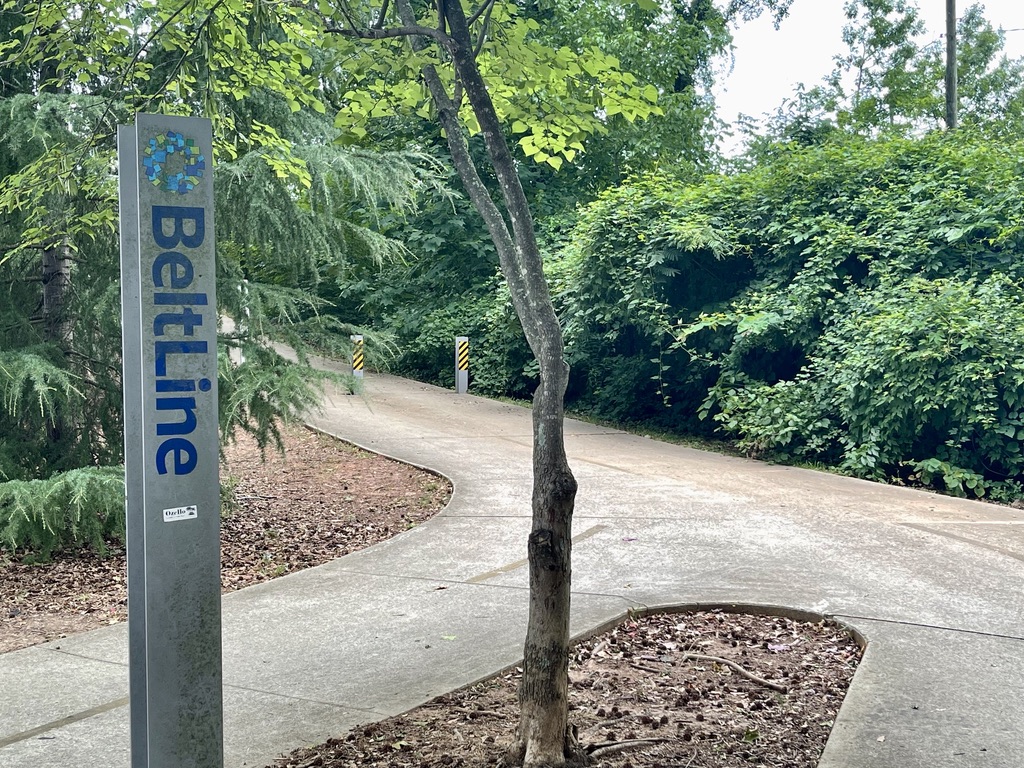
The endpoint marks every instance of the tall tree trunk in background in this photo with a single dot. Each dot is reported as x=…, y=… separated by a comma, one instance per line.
x=56, y=288
x=56, y=277
x=56, y=320
x=543, y=737
x=952, y=118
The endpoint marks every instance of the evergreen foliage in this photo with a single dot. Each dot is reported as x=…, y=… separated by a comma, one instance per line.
x=295, y=212
x=79, y=507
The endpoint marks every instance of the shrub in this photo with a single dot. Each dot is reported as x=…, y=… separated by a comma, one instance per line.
x=80, y=507
x=916, y=378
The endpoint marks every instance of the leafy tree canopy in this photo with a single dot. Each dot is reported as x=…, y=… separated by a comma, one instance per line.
x=890, y=80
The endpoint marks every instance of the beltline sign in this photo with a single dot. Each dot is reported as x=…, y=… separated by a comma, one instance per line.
x=169, y=321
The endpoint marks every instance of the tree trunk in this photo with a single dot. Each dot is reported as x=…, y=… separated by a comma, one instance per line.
x=56, y=277
x=543, y=737
x=56, y=268
x=56, y=286
x=952, y=117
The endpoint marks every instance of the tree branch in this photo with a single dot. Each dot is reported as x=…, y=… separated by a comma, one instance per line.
x=485, y=8
x=483, y=29
x=379, y=23
x=606, y=748
x=475, y=188
x=374, y=33
x=526, y=268
x=738, y=669
x=114, y=370
x=123, y=77
x=343, y=6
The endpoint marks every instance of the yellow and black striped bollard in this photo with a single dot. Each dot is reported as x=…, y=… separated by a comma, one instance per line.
x=357, y=356
x=461, y=364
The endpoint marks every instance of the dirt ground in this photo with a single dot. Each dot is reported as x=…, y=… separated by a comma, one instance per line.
x=665, y=691
x=322, y=500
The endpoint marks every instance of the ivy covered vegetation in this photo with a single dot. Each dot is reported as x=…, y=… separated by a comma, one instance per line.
x=856, y=305
x=847, y=292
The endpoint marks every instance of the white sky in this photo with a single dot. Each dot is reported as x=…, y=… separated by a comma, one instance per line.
x=769, y=63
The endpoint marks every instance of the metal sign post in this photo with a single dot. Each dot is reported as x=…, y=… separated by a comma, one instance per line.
x=169, y=319
x=357, y=356
x=461, y=365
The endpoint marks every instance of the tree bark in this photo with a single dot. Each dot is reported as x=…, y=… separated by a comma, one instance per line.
x=56, y=274
x=56, y=285
x=56, y=279
x=952, y=116
x=543, y=737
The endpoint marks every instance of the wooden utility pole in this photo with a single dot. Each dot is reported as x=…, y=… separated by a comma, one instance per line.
x=951, y=74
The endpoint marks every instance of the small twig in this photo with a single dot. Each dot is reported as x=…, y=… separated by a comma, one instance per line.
x=606, y=748
x=485, y=8
x=642, y=668
x=740, y=670
x=477, y=712
x=483, y=31
x=371, y=33
x=610, y=721
x=654, y=659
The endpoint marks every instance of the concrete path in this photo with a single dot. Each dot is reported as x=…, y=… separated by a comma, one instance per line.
x=933, y=583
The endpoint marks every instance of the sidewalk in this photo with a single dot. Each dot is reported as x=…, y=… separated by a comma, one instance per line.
x=933, y=583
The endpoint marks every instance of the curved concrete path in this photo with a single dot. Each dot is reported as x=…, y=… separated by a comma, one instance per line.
x=933, y=583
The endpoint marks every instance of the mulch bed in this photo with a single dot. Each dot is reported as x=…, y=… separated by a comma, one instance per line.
x=321, y=500
x=656, y=692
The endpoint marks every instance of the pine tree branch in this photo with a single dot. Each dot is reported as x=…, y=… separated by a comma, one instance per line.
x=114, y=370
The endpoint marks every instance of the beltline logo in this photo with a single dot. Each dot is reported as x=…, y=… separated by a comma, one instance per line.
x=173, y=273
x=160, y=149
